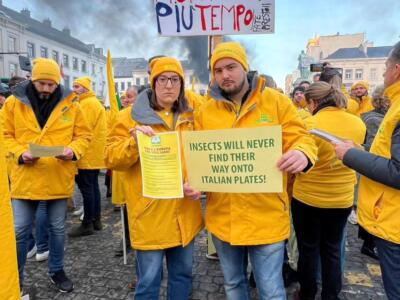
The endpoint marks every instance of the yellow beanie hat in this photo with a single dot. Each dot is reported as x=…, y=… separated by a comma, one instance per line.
x=166, y=64
x=46, y=69
x=364, y=84
x=229, y=50
x=84, y=81
x=123, y=94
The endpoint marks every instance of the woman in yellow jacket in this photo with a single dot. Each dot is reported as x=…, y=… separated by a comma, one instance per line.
x=323, y=197
x=158, y=228
x=9, y=283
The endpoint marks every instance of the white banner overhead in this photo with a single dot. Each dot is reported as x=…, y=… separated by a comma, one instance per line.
x=214, y=17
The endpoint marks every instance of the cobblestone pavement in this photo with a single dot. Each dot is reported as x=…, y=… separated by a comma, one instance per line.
x=98, y=274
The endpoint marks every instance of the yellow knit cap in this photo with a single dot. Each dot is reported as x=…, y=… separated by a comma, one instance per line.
x=364, y=84
x=46, y=69
x=84, y=81
x=166, y=64
x=229, y=50
x=123, y=94
x=153, y=61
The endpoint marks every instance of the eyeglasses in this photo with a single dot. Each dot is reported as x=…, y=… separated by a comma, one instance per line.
x=163, y=80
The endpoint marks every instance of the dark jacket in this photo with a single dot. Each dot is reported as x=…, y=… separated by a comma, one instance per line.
x=372, y=120
x=377, y=168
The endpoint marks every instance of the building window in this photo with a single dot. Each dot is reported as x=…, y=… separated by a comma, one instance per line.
x=137, y=81
x=94, y=86
x=372, y=74
x=13, y=69
x=122, y=86
x=129, y=84
x=359, y=74
x=12, y=44
x=93, y=69
x=83, y=66
x=146, y=80
x=66, y=60
x=348, y=74
x=54, y=55
x=43, y=52
x=66, y=81
x=75, y=63
x=116, y=87
x=31, y=49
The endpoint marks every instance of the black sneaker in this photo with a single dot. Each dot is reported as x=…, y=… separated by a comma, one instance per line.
x=62, y=282
x=371, y=252
x=97, y=225
x=28, y=293
x=81, y=230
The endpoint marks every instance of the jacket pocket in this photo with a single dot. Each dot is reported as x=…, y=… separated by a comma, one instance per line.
x=284, y=201
x=378, y=206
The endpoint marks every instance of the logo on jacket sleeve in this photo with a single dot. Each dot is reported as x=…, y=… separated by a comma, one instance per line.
x=264, y=118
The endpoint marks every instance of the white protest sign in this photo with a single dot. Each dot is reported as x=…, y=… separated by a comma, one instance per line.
x=214, y=17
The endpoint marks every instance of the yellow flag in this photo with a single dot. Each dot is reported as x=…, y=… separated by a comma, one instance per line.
x=193, y=84
x=111, y=86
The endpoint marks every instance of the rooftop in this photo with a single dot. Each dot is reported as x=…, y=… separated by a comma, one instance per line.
x=45, y=29
x=351, y=53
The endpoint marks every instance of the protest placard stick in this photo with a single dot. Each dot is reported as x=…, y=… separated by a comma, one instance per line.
x=213, y=41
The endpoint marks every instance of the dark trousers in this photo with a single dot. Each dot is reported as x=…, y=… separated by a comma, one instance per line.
x=389, y=259
x=87, y=181
x=319, y=233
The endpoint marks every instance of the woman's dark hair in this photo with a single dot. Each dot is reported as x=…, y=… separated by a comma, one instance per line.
x=180, y=105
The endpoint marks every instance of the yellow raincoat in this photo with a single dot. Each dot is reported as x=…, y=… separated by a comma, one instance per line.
x=118, y=180
x=379, y=205
x=48, y=178
x=95, y=116
x=330, y=184
x=9, y=283
x=357, y=107
x=153, y=224
x=262, y=218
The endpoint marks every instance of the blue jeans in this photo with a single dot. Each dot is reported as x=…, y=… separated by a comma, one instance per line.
x=24, y=213
x=149, y=265
x=266, y=262
x=87, y=181
x=42, y=230
x=389, y=259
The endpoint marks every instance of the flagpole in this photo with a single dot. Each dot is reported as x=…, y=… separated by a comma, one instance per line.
x=123, y=233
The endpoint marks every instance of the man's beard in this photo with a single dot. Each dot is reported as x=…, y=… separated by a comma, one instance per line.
x=44, y=96
x=235, y=90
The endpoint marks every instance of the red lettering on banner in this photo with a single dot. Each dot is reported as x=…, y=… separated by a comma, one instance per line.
x=240, y=9
x=213, y=15
x=248, y=17
x=203, y=19
x=232, y=8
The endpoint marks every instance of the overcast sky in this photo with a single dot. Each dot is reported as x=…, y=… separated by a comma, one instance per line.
x=128, y=27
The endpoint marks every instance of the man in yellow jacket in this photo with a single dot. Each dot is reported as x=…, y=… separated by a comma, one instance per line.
x=300, y=103
x=379, y=192
x=257, y=224
x=361, y=102
x=41, y=111
x=93, y=160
